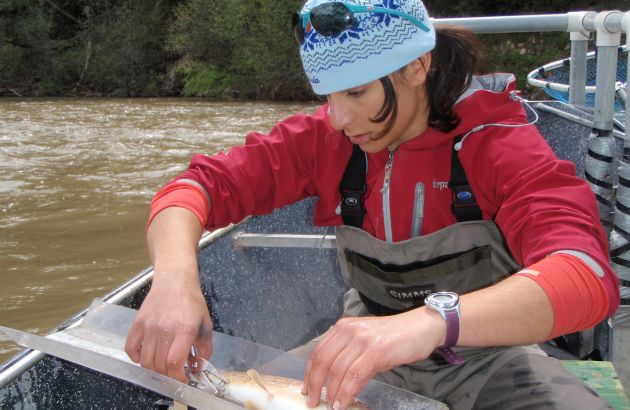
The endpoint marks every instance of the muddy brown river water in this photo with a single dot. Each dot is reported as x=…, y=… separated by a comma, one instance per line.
x=76, y=179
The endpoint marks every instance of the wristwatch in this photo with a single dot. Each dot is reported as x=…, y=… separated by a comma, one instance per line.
x=447, y=305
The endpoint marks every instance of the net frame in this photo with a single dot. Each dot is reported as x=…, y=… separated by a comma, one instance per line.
x=554, y=78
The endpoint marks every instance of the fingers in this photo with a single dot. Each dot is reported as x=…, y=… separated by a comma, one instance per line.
x=147, y=348
x=169, y=321
x=353, y=381
x=348, y=373
x=342, y=372
x=203, y=344
x=317, y=367
x=134, y=343
x=344, y=361
x=330, y=361
x=165, y=337
x=165, y=347
x=177, y=355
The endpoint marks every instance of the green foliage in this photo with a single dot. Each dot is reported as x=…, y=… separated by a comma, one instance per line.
x=204, y=81
x=89, y=46
x=201, y=30
x=522, y=53
x=25, y=23
x=210, y=48
x=125, y=49
x=270, y=75
x=26, y=31
x=250, y=42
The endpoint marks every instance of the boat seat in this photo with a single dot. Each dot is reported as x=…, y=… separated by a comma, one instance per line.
x=568, y=139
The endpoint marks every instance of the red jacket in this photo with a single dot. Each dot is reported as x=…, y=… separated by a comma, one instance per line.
x=536, y=200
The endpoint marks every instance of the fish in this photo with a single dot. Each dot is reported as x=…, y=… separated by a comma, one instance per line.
x=268, y=392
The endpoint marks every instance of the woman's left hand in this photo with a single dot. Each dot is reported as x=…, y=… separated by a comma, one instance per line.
x=355, y=349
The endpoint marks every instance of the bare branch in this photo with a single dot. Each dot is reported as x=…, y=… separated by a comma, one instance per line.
x=62, y=11
x=88, y=55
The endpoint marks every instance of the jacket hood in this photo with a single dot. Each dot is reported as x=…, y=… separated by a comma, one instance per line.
x=490, y=99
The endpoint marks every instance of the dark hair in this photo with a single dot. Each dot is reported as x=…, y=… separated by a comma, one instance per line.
x=453, y=61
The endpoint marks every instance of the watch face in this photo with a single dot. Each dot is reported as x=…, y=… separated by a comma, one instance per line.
x=443, y=300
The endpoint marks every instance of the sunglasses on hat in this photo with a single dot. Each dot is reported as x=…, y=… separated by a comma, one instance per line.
x=333, y=18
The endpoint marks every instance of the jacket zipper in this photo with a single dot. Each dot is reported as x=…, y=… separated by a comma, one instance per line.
x=418, y=210
x=387, y=220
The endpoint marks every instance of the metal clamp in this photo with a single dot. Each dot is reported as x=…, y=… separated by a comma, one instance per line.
x=204, y=375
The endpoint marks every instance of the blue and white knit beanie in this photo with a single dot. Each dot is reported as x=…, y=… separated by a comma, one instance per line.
x=379, y=45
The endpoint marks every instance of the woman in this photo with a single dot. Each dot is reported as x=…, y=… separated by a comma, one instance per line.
x=436, y=182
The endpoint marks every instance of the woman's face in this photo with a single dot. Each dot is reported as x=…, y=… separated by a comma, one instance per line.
x=351, y=111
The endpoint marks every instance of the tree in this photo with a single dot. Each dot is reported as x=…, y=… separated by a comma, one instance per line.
x=25, y=32
x=128, y=57
x=218, y=48
x=242, y=47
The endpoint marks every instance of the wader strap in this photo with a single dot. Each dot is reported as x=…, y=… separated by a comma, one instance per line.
x=464, y=205
x=352, y=188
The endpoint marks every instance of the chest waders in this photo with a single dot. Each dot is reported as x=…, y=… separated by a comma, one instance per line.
x=388, y=278
x=391, y=278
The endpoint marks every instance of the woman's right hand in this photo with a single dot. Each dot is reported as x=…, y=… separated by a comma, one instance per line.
x=174, y=315
x=172, y=318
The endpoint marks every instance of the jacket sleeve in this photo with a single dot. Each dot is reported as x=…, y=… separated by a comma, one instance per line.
x=267, y=172
x=537, y=200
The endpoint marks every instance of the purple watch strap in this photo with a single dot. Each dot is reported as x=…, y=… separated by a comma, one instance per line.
x=450, y=356
x=452, y=328
x=452, y=334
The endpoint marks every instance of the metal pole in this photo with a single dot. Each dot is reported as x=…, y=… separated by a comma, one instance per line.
x=579, y=48
x=577, y=81
x=509, y=24
x=620, y=236
x=605, y=93
x=600, y=169
x=585, y=21
x=626, y=28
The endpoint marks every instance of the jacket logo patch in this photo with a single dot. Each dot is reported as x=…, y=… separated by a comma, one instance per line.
x=440, y=185
x=351, y=201
x=410, y=294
